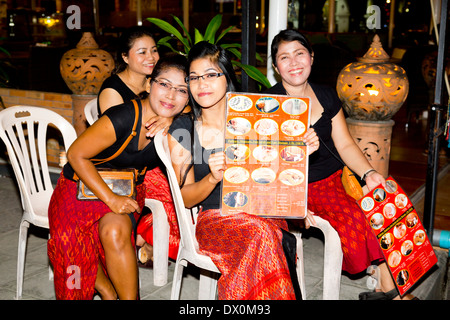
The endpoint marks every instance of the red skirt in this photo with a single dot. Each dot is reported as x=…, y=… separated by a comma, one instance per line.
x=248, y=252
x=74, y=247
x=328, y=199
x=157, y=187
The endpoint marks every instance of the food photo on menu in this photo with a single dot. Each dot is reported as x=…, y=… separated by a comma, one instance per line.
x=266, y=158
x=402, y=238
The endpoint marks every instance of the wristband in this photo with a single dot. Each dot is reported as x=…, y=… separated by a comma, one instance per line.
x=364, y=176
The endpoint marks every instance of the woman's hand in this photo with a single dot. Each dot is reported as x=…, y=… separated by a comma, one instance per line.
x=312, y=140
x=155, y=124
x=217, y=166
x=310, y=221
x=374, y=179
x=122, y=205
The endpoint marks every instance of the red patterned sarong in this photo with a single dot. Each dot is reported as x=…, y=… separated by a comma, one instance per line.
x=157, y=187
x=74, y=247
x=328, y=199
x=248, y=252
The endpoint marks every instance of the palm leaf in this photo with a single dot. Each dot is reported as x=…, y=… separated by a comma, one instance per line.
x=231, y=45
x=210, y=33
x=224, y=32
x=197, y=36
x=186, y=33
x=254, y=73
x=5, y=51
x=258, y=57
x=169, y=29
x=212, y=28
x=235, y=52
x=165, y=42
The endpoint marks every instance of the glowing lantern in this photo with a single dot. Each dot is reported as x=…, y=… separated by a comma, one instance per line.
x=372, y=88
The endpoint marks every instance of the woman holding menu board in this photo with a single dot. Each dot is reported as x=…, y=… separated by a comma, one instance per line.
x=293, y=59
x=251, y=252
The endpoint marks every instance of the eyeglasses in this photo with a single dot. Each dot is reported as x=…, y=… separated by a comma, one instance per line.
x=207, y=77
x=167, y=87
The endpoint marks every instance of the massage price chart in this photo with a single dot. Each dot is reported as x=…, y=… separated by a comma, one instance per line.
x=267, y=163
x=400, y=233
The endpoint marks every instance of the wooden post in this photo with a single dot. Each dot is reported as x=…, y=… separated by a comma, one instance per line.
x=391, y=24
x=186, y=14
x=331, y=16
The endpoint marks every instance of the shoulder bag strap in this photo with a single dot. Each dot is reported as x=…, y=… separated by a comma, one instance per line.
x=124, y=145
x=337, y=158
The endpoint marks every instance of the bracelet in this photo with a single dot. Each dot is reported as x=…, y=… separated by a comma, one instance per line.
x=365, y=175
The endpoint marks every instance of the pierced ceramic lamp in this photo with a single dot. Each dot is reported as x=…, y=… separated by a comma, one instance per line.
x=372, y=90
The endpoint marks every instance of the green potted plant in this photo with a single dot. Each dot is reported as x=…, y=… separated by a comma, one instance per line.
x=210, y=36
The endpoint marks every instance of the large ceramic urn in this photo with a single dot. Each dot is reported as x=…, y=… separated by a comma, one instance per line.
x=84, y=69
x=372, y=90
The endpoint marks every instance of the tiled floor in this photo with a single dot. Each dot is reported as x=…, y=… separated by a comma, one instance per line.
x=38, y=286
x=408, y=165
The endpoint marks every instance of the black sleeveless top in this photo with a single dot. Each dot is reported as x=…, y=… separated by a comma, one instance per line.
x=114, y=82
x=322, y=163
x=122, y=117
x=182, y=129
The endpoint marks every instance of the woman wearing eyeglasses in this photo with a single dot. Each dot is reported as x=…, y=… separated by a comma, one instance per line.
x=91, y=246
x=251, y=252
x=136, y=56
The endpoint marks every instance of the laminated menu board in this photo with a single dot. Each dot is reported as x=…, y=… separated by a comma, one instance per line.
x=267, y=163
x=402, y=238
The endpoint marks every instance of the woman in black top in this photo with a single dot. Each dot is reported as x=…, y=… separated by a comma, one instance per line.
x=94, y=238
x=135, y=59
x=251, y=252
x=293, y=58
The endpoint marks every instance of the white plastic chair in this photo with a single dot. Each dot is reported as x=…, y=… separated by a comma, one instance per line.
x=23, y=129
x=332, y=268
x=189, y=250
x=91, y=111
x=160, y=241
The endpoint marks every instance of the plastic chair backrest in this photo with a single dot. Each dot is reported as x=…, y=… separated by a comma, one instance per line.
x=91, y=111
x=24, y=130
x=187, y=218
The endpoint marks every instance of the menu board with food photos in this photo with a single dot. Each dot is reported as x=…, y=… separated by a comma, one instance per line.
x=267, y=166
x=402, y=238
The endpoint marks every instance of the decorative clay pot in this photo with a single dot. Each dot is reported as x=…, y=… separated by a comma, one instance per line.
x=372, y=88
x=85, y=68
x=374, y=140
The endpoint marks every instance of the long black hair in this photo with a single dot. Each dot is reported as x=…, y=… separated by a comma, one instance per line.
x=222, y=59
x=125, y=42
